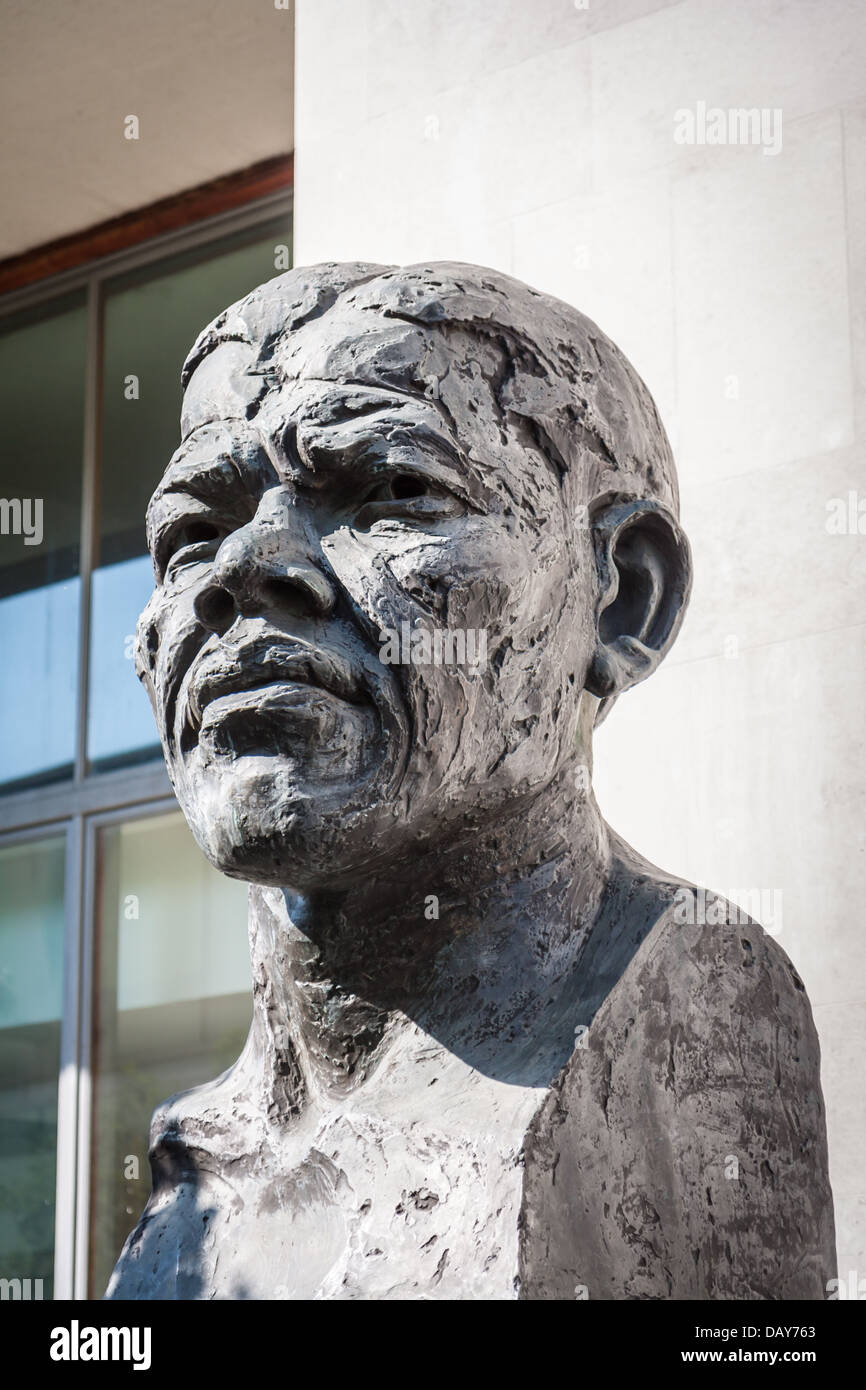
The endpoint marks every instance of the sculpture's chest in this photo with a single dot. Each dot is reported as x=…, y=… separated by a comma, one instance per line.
x=376, y=1211
x=402, y=1196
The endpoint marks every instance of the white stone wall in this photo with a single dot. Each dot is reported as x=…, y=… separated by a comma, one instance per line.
x=538, y=137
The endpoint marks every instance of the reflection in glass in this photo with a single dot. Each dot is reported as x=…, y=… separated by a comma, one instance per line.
x=172, y=1005
x=31, y=988
x=152, y=318
x=42, y=355
x=39, y=642
x=119, y=717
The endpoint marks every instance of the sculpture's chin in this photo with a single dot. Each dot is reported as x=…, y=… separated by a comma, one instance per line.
x=305, y=842
x=302, y=816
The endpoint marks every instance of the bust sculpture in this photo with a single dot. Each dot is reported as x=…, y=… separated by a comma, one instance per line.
x=420, y=533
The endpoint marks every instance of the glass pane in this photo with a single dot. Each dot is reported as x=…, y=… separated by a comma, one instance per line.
x=42, y=355
x=31, y=991
x=172, y=1005
x=120, y=724
x=152, y=318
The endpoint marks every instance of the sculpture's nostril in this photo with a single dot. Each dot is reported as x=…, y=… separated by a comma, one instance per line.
x=285, y=593
x=303, y=588
x=215, y=609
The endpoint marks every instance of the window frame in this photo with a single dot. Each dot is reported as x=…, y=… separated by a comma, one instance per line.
x=78, y=807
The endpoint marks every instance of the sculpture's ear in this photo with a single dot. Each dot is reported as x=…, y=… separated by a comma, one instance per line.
x=645, y=575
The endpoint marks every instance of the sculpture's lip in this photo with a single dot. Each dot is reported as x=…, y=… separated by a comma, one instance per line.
x=268, y=663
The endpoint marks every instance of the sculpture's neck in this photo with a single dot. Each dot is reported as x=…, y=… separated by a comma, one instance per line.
x=471, y=942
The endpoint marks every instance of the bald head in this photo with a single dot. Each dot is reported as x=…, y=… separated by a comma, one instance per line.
x=437, y=453
x=445, y=329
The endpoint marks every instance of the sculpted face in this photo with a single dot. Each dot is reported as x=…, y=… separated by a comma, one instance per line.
x=320, y=513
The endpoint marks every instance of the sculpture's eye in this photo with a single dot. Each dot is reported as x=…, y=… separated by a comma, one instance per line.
x=196, y=533
x=405, y=485
x=407, y=496
x=188, y=535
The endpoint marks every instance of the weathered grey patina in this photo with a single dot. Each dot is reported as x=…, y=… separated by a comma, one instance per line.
x=495, y=1053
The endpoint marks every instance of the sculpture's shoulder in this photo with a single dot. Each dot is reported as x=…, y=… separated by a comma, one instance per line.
x=673, y=943
x=710, y=961
x=682, y=1152
x=203, y=1145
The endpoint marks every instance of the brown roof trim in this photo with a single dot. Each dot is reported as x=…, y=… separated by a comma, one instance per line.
x=230, y=191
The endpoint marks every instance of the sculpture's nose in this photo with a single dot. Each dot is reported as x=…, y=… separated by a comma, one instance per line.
x=265, y=566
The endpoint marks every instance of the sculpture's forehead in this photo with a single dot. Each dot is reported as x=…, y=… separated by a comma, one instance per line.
x=342, y=350
x=306, y=405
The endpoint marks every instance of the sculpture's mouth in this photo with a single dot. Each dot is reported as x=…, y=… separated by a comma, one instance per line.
x=258, y=664
x=289, y=703
x=265, y=676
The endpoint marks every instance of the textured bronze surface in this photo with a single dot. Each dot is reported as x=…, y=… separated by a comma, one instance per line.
x=495, y=1054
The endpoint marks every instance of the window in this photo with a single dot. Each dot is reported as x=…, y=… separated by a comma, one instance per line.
x=42, y=376
x=31, y=998
x=171, y=1005
x=124, y=970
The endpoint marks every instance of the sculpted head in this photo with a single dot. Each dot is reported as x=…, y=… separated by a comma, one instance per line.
x=434, y=462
